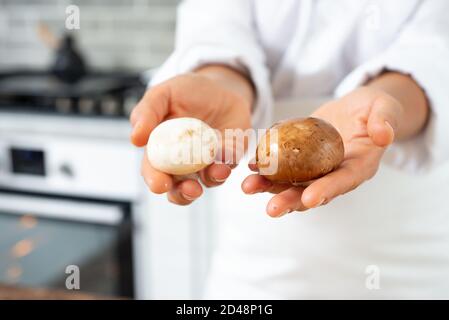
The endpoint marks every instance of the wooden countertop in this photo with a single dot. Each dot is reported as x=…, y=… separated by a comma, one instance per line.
x=19, y=293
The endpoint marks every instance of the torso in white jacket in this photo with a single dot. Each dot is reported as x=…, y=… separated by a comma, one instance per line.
x=390, y=237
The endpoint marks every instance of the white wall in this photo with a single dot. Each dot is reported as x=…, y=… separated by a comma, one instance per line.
x=131, y=34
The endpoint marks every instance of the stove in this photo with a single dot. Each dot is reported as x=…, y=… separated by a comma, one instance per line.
x=72, y=200
x=96, y=94
x=67, y=166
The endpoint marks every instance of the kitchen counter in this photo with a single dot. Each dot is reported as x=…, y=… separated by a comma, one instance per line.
x=19, y=293
x=68, y=126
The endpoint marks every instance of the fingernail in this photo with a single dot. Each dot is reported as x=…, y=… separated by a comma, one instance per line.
x=389, y=126
x=285, y=212
x=137, y=124
x=189, y=198
x=320, y=203
x=256, y=191
x=218, y=180
x=136, y=127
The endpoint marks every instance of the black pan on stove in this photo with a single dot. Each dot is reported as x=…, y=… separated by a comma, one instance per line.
x=95, y=94
x=69, y=87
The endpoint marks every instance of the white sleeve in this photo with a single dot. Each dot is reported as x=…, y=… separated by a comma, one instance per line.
x=422, y=51
x=220, y=31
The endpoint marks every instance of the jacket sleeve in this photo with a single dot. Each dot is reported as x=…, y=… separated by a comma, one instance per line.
x=422, y=51
x=221, y=32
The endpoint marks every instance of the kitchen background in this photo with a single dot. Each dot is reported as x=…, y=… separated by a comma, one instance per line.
x=70, y=188
x=71, y=195
x=125, y=34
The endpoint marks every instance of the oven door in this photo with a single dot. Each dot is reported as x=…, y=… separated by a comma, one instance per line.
x=40, y=237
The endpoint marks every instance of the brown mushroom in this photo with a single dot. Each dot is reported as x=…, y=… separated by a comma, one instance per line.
x=302, y=150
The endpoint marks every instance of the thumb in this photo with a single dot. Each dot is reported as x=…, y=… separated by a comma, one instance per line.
x=148, y=113
x=383, y=120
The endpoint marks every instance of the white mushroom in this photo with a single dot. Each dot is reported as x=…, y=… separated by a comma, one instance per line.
x=182, y=146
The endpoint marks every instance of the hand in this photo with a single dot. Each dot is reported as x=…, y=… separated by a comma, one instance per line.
x=367, y=120
x=197, y=95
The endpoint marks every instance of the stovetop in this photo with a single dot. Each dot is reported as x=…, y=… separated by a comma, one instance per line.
x=98, y=94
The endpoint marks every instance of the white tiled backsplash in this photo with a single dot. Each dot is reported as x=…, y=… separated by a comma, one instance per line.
x=124, y=34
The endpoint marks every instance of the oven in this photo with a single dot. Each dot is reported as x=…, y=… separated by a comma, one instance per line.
x=43, y=237
x=71, y=193
x=69, y=188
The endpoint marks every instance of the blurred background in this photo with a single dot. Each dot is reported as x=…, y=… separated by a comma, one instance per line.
x=113, y=34
x=74, y=212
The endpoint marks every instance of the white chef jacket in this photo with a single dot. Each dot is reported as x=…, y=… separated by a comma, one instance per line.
x=390, y=237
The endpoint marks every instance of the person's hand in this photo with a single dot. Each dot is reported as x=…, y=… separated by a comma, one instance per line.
x=367, y=120
x=197, y=95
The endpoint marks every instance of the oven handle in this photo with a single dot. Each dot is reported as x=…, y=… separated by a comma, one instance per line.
x=65, y=209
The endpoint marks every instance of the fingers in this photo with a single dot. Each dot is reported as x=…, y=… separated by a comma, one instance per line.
x=158, y=182
x=185, y=192
x=215, y=174
x=232, y=147
x=252, y=165
x=344, y=179
x=288, y=198
x=383, y=120
x=148, y=113
x=182, y=192
x=257, y=184
x=286, y=202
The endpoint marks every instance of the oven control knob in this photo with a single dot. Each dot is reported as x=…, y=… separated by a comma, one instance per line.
x=66, y=170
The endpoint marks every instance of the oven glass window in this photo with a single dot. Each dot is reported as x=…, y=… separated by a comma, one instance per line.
x=35, y=252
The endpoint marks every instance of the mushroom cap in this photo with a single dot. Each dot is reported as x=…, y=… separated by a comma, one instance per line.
x=299, y=150
x=182, y=146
